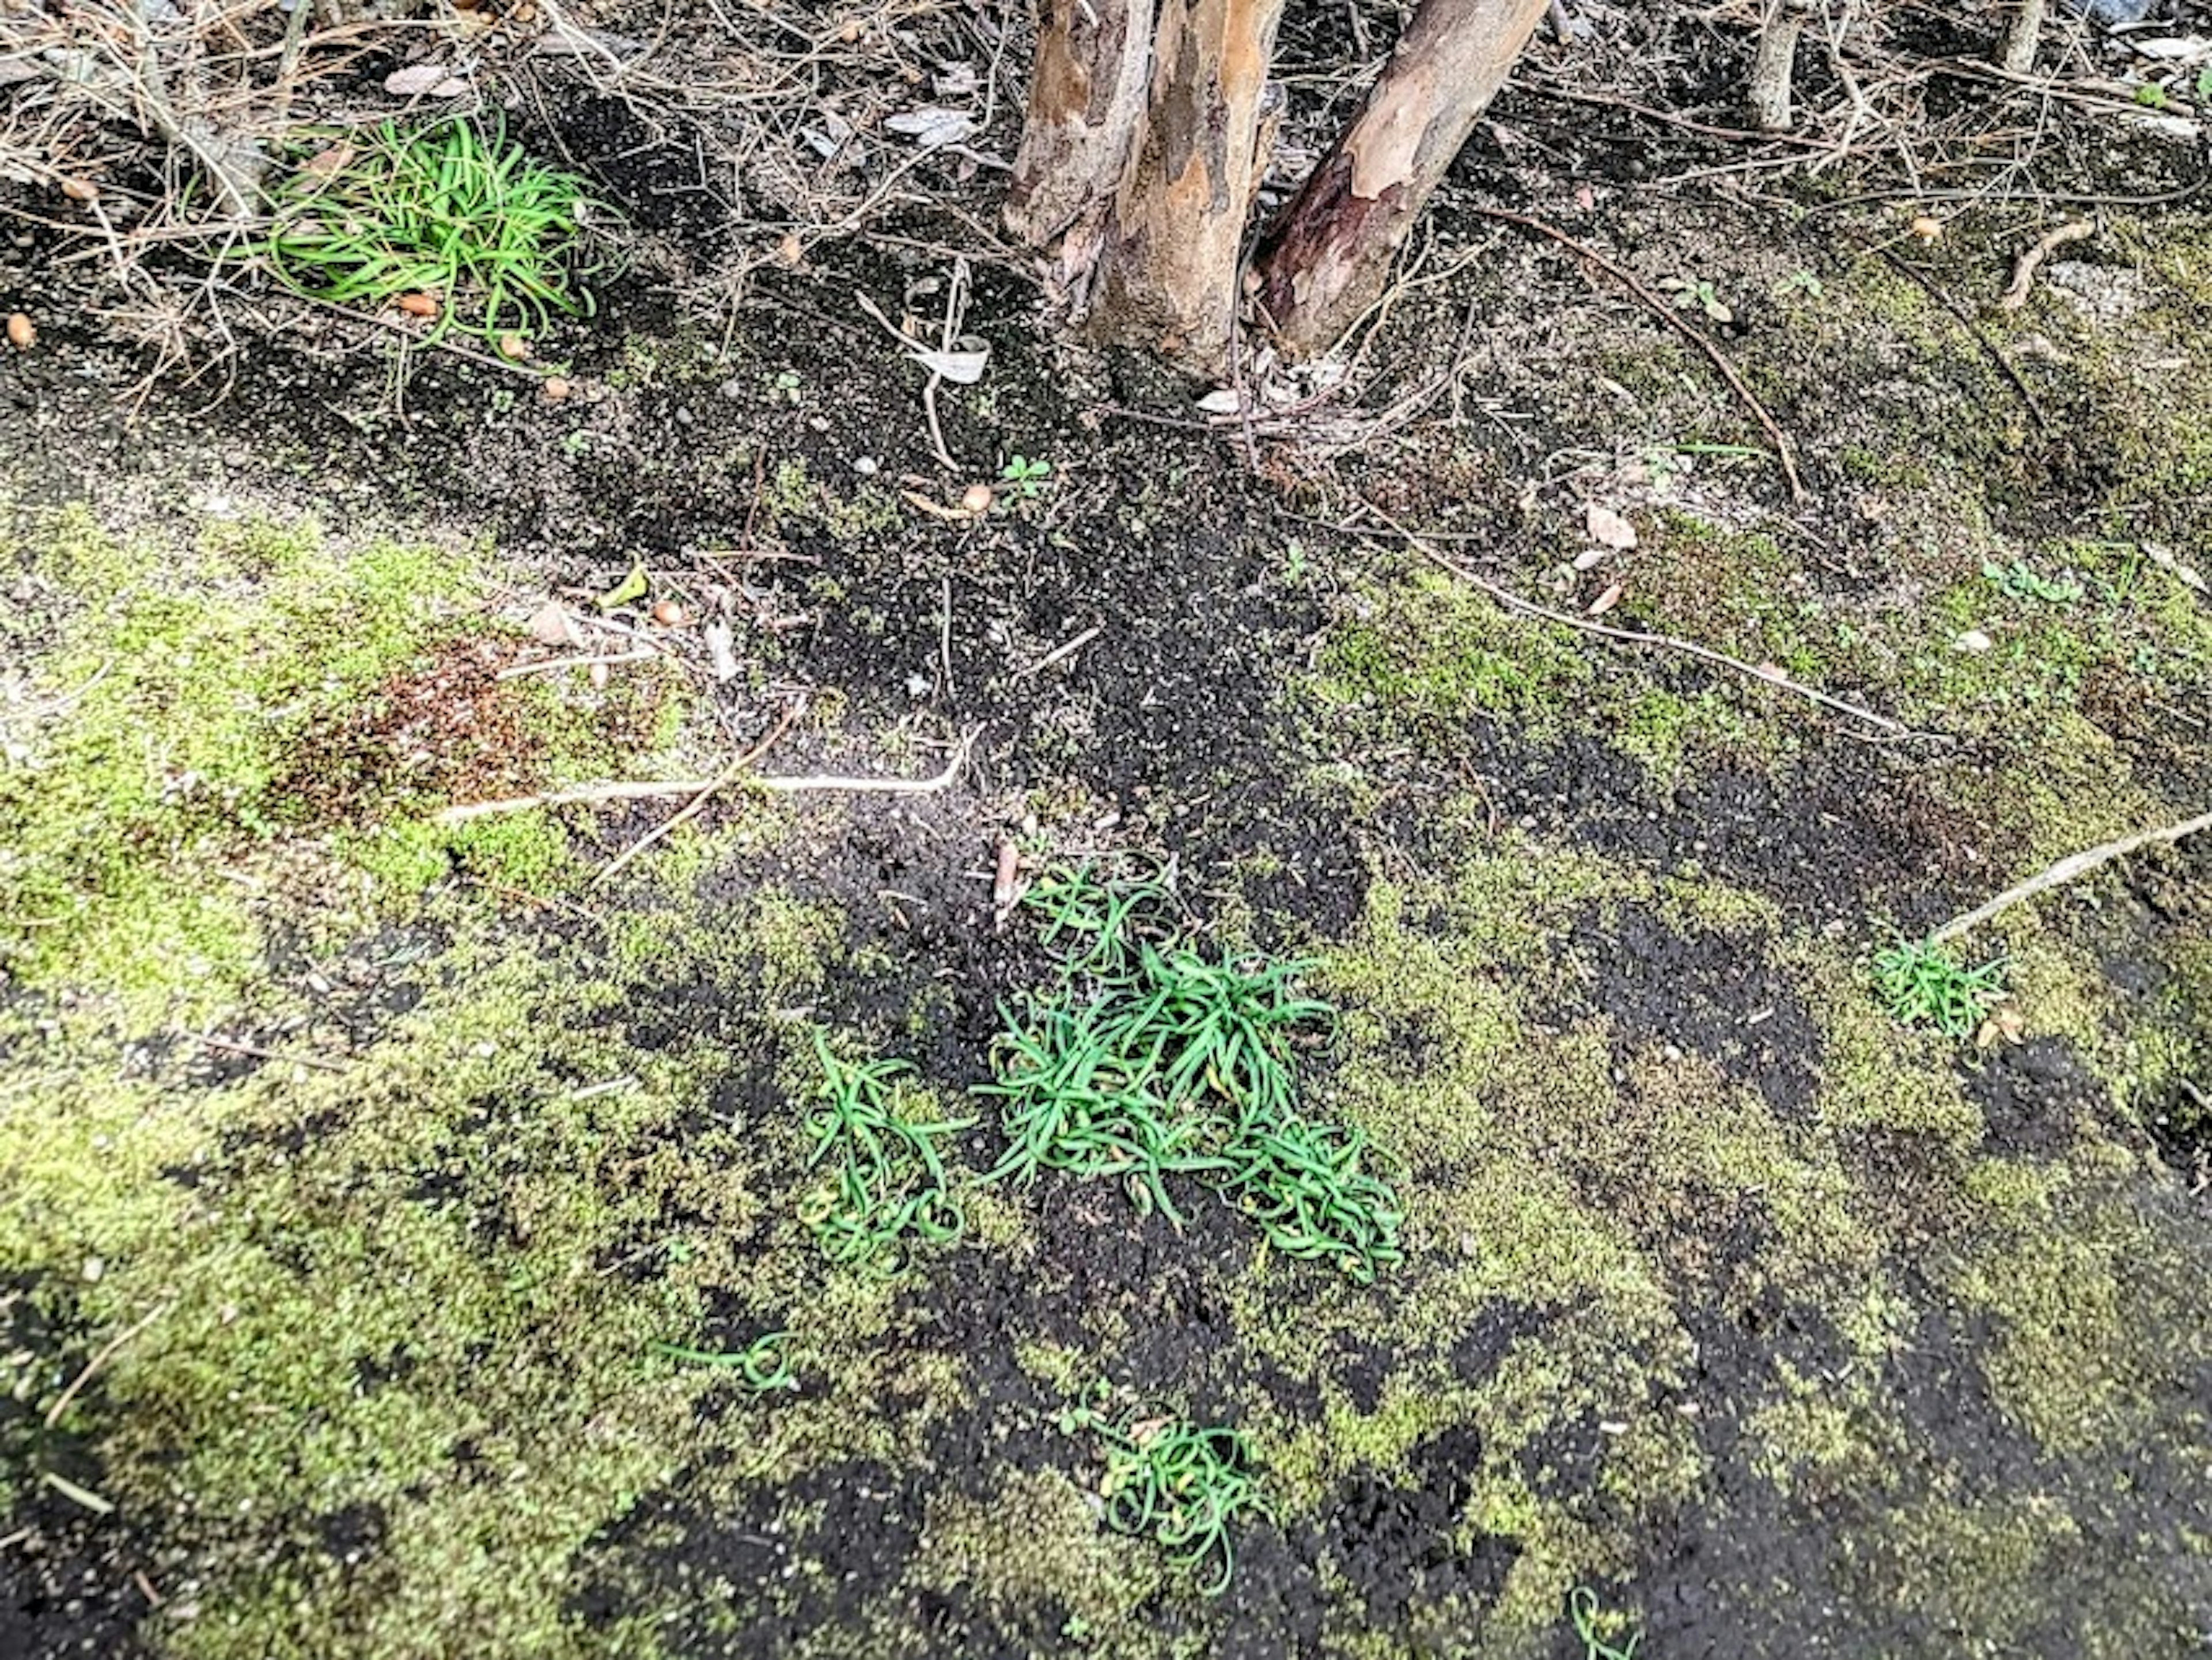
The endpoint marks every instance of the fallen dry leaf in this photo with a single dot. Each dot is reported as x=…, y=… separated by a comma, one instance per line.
x=418, y=305
x=1589, y=559
x=1607, y=528
x=415, y=79
x=1605, y=601
x=550, y=625
x=1972, y=639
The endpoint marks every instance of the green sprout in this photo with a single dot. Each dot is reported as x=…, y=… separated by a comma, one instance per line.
x=1022, y=479
x=2019, y=581
x=762, y=1366
x=464, y=218
x=887, y=1179
x=1596, y=1628
x=1184, y=1484
x=1921, y=982
x=1148, y=1060
x=1697, y=293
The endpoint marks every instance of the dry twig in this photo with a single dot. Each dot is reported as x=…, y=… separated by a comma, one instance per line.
x=2023, y=274
x=1673, y=317
x=2073, y=865
x=698, y=803
x=1512, y=601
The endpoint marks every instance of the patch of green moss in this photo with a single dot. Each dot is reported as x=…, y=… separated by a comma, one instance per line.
x=2096, y=1322
x=793, y=496
x=211, y=711
x=1430, y=650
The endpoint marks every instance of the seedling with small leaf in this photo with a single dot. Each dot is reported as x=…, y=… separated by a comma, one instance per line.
x=1697, y=294
x=2020, y=581
x=1024, y=479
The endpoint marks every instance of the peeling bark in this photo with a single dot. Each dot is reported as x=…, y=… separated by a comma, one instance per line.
x=1086, y=97
x=1168, y=269
x=1326, y=259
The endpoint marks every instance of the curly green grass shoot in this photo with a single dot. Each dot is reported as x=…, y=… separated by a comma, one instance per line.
x=1146, y=1060
x=1184, y=1484
x=497, y=240
x=1922, y=983
x=886, y=1181
x=762, y=1366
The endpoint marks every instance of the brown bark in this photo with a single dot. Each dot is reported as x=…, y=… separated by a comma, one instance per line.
x=1326, y=259
x=1086, y=97
x=1169, y=267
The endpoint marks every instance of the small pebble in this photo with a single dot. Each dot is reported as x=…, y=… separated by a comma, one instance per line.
x=555, y=389
x=21, y=334
x=977, y=499
x=865, y=465
x=669, y=614
x=513, y=348
x=418, y=305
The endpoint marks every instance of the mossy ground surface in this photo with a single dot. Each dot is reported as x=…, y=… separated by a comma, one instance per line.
x=357, y=1162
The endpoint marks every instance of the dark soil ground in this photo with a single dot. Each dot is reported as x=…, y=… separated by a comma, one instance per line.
x=357, y=1159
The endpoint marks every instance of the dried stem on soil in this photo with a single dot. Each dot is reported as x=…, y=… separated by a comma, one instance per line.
x=2073, y=865
x=1512, y=601
x=599, y=795
x=2023, y=274
x=716, y=785
x=1673, y=317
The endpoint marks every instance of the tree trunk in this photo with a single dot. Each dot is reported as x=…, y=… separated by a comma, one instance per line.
x=1168, y=269
x=1326, y=259
x=2017, y=53
x=1086, y=97
x=1773, y=69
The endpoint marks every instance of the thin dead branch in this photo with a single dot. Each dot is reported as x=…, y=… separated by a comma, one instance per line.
x=1670, y=315
x=698, y=803
x=2023, y=274
x=1764, y=675
x=600, y=794
x=2067, y=869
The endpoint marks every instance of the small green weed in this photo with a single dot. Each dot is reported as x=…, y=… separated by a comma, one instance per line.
x=1597, y=1628
x=2019, y=581
x=1924, y=983
x=888, y=1178
x=1148, y=1060
x=465, y=217
x=762, y=1366
x=1184, y=1484
x=1022, y=479
x=1697, y=293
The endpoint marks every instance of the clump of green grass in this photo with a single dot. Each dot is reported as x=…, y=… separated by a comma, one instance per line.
x=1148, y=1060
x=887, y=1181
x=762, y=1366
x=1184, y=1484
x=1922, y=983
x=465, y=217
